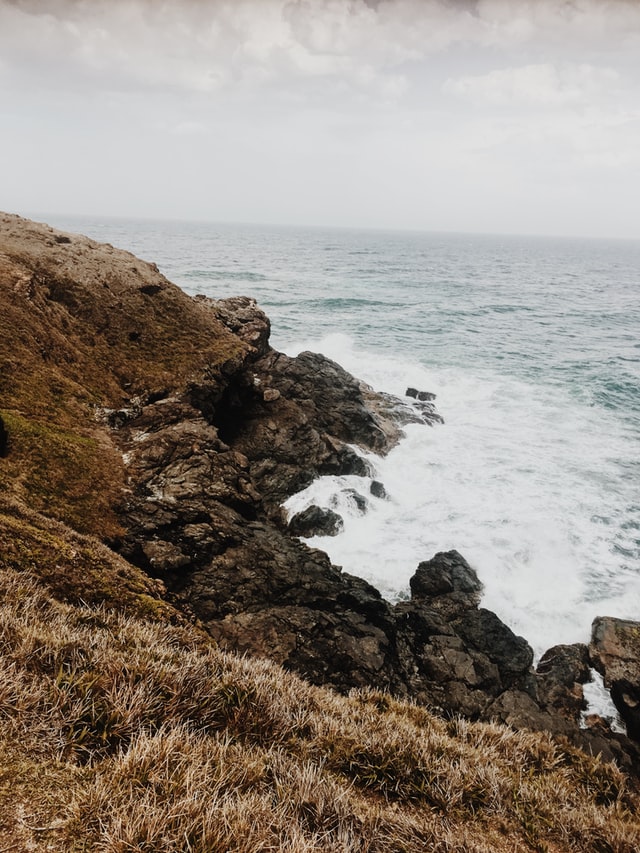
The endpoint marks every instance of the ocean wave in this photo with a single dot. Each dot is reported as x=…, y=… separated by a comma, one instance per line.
x=223, y=275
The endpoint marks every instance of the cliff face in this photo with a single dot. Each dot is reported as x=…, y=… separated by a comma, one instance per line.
x=169, y=428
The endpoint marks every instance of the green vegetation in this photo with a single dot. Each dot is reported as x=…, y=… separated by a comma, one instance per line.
x=67, y=475
x=71, y=346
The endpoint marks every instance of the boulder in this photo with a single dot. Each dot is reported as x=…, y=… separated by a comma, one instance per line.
x=562, y=670
x=316, y=521
x=378, y=490
x=423, y=396
x=614, y=651
x=448, y=582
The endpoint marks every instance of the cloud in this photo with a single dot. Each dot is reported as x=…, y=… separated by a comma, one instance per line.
x=269, y=109
x=547, y=85
x=374, y=49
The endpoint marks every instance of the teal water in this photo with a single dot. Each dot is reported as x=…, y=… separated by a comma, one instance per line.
x=533, y=348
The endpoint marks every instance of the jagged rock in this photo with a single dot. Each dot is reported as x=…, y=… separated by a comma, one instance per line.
x=356, y=500
x=315, y=521
x=562, y=670
x=378, y=490
x=448, y=582
x=242, y=315
x=615, y=652
x=423, y=396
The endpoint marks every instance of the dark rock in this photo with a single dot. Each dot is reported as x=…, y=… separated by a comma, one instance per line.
x=562, y=670
x=626, y=698
x=484, y=631
x=597, y=739
x=349, y=462
x=315, y=521
x=448, y=581
x=423, y=396
x=615, y=652
x=378, y=490
x=518, y=709
x=356, y=500
x=150, y=289
x=242, y=315
x=456, y=657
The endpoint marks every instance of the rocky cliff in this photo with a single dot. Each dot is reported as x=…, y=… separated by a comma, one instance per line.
x=168, y=427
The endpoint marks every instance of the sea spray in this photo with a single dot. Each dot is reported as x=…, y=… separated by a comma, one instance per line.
x=523, y=481
x=532, y=347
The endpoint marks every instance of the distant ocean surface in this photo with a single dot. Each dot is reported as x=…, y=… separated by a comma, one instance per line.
x=532, y=346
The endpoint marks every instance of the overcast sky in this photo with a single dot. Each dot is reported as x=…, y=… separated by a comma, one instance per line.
x=514, y=116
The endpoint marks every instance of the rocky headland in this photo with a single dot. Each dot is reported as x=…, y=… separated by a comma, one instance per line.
x=168, y=431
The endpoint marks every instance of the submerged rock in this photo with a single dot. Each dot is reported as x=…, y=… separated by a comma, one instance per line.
x=356, y=501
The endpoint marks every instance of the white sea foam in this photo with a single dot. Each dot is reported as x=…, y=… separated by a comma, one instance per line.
x=599, y=702
x=522, y=481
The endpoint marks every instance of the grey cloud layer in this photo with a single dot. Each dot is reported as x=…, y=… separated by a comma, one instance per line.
x=492, y=114
x=204, y=46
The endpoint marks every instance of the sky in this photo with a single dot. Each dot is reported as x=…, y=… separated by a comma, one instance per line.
x=500, y=116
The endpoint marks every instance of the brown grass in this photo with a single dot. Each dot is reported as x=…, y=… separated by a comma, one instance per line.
x=128, y=734
x=84, y=327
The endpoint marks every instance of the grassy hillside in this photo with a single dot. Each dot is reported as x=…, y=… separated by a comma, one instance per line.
x=85, y=329
x=121, y=731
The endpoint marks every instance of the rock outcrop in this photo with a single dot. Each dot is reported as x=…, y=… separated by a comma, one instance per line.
x=168, y=427
x=316, y=521
x=615, y=653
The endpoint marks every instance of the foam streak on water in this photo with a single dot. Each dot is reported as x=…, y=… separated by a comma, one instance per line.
x=523, y=483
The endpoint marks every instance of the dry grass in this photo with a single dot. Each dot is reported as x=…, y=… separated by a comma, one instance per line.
x=127, y=734
x=85, y=327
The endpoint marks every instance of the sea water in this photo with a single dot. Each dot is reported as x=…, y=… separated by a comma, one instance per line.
x=532, y=347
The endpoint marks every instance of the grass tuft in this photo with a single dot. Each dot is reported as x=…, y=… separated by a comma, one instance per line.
x=146, y=739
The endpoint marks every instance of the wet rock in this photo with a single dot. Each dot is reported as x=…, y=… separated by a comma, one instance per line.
x=423, y=396
x=310, y=422
x=614, y=651
x=562, y=670
x=315, y=521
x=454, y=655
x=378, y=490
x=483, y=631
x=357, y=501
x=448, y=582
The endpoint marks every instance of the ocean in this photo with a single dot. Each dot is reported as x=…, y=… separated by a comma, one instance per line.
x=532, y=347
